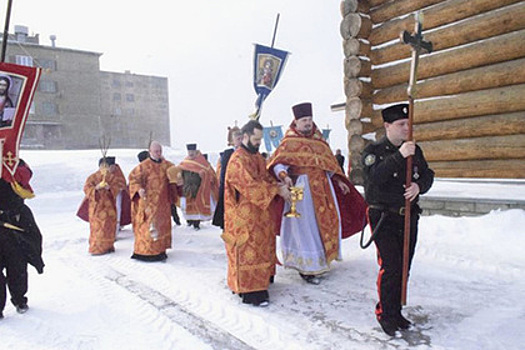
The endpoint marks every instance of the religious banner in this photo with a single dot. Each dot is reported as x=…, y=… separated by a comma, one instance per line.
x=268, y=66
x=272, y=137
x=326, y=134
x=17, y=89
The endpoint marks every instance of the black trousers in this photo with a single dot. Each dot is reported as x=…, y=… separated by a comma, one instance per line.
x=389, y=243
x=14, y=264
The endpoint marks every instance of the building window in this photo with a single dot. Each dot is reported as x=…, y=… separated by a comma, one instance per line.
x=47, y=64
x=118, y=111
x=130, y=97
x=24, y=60
x=158, y=83
x=129, y=83
x=47, y=86
x=116, y=96
x=49, y=109
x=115, y=83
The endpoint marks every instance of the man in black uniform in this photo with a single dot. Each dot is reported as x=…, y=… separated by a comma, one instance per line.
x=385, y=193
x=20, y=239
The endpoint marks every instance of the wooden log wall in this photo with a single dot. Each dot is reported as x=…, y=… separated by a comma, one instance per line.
x=469, y=114
x=355, y=29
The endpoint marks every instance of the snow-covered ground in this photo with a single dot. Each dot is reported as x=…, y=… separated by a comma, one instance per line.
x=466, y=291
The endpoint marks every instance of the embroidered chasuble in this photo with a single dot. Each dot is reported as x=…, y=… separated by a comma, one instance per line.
x=201, y=204
x=249, y=231
x=311, y=242
x=151, y=216
x=102, y=211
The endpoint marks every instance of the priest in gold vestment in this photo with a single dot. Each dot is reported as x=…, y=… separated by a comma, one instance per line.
x=101, y=189
x=331, y=210
x=249, y=229
x=151, y=206
x=200, y=189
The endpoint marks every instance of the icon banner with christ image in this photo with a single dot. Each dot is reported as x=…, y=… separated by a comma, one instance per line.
x=17, y=89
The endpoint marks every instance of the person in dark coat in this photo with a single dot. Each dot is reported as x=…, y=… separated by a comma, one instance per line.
x=385, y=192
x=234, y=140
x=340, y=159
x=20, y=239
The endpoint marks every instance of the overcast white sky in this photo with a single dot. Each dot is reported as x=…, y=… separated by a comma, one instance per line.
x=205, y=48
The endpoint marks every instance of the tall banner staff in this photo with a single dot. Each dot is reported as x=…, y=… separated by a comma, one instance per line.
x=417, y=46
x=268, y=65
x=17, y=88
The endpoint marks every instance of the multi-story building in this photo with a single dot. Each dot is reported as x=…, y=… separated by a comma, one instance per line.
x=76, y=104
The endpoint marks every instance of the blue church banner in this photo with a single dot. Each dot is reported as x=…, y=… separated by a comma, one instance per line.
x=268, y=66
x=326, y=134
x=272, y=136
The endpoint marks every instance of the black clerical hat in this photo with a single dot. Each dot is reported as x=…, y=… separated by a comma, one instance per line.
x=302, y=110
x=107, y=160
x=191, y=146
x=395, y=112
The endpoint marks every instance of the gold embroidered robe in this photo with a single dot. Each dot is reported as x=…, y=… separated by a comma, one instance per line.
x=249, y=231
x=153, y=211
x=312, y=156
x=200, y=207
x=102, y=211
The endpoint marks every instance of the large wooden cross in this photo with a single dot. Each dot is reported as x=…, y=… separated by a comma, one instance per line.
x=418, y=44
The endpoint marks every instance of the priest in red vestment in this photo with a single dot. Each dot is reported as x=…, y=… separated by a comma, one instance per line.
x=332, y=208
x=151, y=206
x=101, y=189
x=249, y=228
x=200, y=188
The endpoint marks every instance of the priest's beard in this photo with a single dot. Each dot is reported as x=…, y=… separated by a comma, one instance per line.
x=251, y=147
x=306, y=132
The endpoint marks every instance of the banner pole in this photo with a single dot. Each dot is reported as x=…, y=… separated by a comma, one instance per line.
x=6, y=29
x=275, y=29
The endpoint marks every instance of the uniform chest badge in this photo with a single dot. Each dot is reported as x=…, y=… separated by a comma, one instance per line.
x=416, y=174
x=370, y=159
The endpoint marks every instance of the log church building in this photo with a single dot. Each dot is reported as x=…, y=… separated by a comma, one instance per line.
x=469, y=114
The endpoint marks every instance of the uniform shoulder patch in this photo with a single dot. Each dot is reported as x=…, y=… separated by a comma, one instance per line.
x=370, y=159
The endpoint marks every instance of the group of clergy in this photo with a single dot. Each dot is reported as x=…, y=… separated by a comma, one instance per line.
x=258, y=195
x=156, y=187
x=251, y=195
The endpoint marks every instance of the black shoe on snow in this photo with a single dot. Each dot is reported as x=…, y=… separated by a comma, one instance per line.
x=1, y=315
x=388, y=325
x=311, y=279
x=402, y=323
x=22, y=308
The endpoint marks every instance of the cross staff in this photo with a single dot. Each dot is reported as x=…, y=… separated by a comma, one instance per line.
x=417, y=46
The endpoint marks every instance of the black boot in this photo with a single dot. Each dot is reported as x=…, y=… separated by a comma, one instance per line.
x=196, y=225
x=259, y=298
x=402, y=323
x=311, y=279
x=389, y=325
x=22, y=308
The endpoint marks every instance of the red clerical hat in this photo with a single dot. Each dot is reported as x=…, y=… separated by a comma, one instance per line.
x=302, y=110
